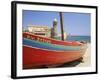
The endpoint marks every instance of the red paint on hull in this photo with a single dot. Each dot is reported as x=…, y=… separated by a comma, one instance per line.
x=35, y=57
x=50, y=40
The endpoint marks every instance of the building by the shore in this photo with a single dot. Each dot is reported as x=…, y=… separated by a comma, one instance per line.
x=40, y=30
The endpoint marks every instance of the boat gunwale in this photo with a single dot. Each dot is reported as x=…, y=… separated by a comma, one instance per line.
x=29, y=33
x=42, y=36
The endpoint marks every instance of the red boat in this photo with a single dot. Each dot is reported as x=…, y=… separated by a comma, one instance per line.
x=41, y=51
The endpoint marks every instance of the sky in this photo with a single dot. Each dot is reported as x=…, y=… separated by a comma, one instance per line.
x=74, y=23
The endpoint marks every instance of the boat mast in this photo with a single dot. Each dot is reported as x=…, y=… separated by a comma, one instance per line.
x=61, y=24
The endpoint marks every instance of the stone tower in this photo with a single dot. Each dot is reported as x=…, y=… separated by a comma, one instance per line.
x=54, y=29
x=55, y=26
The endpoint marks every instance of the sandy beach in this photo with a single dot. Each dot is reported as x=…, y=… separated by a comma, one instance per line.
x=86, y=57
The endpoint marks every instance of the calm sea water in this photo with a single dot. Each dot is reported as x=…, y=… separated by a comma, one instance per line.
x=79, y=38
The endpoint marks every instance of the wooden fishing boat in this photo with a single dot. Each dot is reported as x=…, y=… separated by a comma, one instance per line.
x=41, y=51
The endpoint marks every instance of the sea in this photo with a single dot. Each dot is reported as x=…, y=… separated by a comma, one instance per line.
x=79, y=38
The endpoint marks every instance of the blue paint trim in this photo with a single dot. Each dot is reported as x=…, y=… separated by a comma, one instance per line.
x=49, y=46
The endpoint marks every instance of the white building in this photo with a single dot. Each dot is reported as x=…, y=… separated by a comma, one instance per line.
x=65, y=35
x=40, y=30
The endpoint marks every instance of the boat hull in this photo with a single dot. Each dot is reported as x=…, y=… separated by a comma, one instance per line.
x=35, y=57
